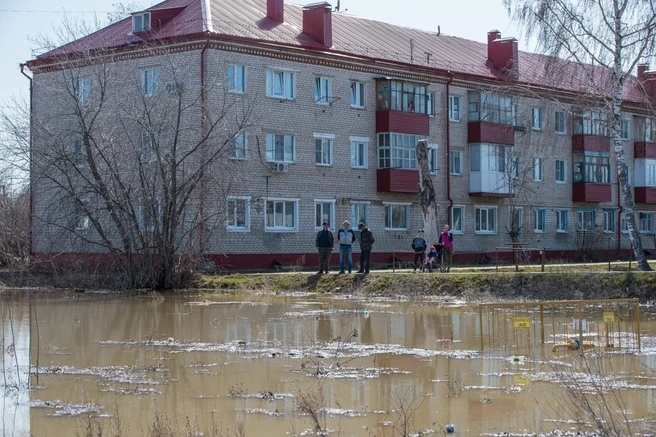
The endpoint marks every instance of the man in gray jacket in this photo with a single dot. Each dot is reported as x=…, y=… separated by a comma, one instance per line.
x=346, y=238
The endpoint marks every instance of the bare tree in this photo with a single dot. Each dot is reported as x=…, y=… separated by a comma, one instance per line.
x=428, y=199
x=608, y=39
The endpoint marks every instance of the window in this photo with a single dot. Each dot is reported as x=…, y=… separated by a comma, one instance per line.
x=560, y=123
x=487, y=158
x=149, y=82
x=397, y=216
x=538, y=170
x=646, y=222
x=149, y=146
x=624, y=224
x=587, y=220
x=280, y=84
x=237, y=79
x=359, y=213
x=537, y=119
x=562, y=225
x=238, y=146
x=401, y=96
x=141, y=22
x=397, y=150
x=430, y=104
x=82, y=219
x=645, y=129
x=626, y=129
x=591, y=123
x=239, y=214
x=650, y=172
x=455, y=162
x=609, y=221
x=490, y=108
x=454, y=108
x=516, y=122
x=540, y=220
x=515, y=167
x=357, y=94
x=432, y=158
x=359, y=150
x=82, y=89
x=516, y=222
x=591, y=167
x=323, y=145
x=78, y=155
x=324, y=211
x=323, y=91
x=457, y=219
x=280, y=148
x=281, y=215
x=486, y=219
x=561, y=171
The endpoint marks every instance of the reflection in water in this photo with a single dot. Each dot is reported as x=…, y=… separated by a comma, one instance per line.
x=270, y=362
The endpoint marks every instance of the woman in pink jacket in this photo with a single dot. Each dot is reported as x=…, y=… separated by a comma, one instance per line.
x=446, y=241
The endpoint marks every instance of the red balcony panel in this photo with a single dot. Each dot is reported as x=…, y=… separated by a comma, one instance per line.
x=402, y=122
x=644, y=149
x=397, y=180
x=590, y=143
x=492, y=195
x=482, y=131
x=645, y=195
x=585, y=192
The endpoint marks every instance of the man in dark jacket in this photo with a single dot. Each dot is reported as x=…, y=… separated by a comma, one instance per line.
x=366, y=244
x=325, y=243
x=419, y=247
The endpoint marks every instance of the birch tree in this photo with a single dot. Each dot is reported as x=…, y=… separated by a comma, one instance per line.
x=608, y=39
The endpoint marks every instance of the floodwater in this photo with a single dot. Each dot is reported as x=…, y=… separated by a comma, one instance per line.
x=277, y=365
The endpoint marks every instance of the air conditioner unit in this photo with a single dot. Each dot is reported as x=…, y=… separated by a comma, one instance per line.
x=279, y=167
x=172, y=87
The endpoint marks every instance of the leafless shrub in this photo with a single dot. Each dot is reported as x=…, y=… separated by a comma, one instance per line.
x=405, y=403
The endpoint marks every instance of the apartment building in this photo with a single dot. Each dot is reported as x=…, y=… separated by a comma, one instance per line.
x=336, y=105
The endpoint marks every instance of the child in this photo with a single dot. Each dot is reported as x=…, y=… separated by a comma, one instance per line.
x=432, y=256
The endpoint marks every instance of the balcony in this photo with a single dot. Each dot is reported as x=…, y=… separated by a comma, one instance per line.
x=590, y=143
x=591, y=192
x=486, y=132
x=645, y=195
x=644, y=149
x=402, y=122
x=397, y=180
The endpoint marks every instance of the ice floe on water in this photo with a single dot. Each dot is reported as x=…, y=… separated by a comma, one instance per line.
x=65, y=408
x=115, y=374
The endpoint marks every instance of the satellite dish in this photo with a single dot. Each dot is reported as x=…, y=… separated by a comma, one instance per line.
x=578, y=177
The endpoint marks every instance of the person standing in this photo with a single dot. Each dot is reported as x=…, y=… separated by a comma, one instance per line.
x=419, y=247
x=325, y=243
x=446, y=241
x=345, y=237
x=366, y=244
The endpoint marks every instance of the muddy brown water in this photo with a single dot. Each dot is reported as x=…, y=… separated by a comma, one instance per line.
x=215, y=360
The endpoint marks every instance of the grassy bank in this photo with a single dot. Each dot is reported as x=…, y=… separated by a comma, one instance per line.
x=470, y=285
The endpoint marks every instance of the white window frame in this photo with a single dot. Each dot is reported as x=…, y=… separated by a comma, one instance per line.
x=287, y=86
x=561, y=170
x=562, y=220
x=560, y=124
x=321, y=215
x=520, y=212
x=623, y=224
x=149, y=82
x=646, y=222
x=239, y=146
x=609, y=221
x=389, y=216
x=82, y=90
x=516, y=163
x=78, y=153
x=82, y=219
x=237, y=79
x=288, y=141
x=359, y=152
x=625, y=130
x=323, y=148
x=537, y=119
x=490, y=211
x=455, y=157
x=455, y=228
x=650, y=172
x=432, y=158
x=454, y=109
x=582, y=215
x=323, y=90
x=141, y=22
x=233, y=203
x=430, y=104
x=540, y=220
x=359, y=212
x=538, y=169
x=285, y=202
x=358, y=94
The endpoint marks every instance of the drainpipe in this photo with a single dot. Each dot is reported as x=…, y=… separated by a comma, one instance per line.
x=448, y=153
x=201, y=206
x=30, y=238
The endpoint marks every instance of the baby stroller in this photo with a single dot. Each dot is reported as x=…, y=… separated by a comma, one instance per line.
x=433, y=259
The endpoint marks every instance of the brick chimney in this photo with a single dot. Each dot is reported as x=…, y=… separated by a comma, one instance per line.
x=502, y=51
x=276, y=10
x=318, y=22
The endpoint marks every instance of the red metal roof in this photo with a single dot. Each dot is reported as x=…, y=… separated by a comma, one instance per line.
x=352, y=36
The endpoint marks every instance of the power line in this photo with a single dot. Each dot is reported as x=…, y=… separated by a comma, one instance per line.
x=54, y=12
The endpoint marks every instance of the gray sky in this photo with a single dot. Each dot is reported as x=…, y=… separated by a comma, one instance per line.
x=470, y=19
